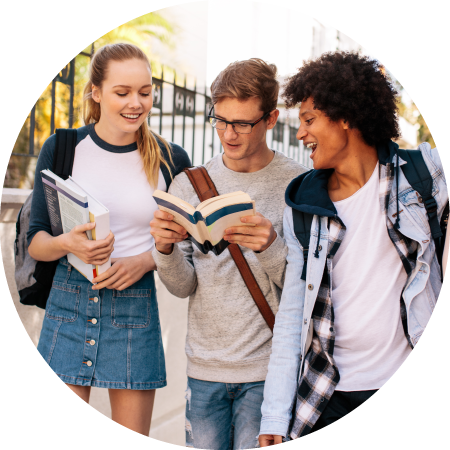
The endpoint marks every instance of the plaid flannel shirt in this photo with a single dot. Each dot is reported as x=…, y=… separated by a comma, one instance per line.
x=320, y=373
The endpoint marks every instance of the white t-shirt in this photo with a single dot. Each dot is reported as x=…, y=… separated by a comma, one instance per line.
x=368, y=278
x=116, y=177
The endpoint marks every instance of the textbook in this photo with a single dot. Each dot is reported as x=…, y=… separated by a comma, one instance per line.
x=69, y=205
x=207, y=223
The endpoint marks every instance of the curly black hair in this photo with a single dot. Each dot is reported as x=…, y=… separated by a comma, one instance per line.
x=349, y=86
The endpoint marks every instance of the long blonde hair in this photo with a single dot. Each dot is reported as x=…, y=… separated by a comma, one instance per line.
x=147, y=140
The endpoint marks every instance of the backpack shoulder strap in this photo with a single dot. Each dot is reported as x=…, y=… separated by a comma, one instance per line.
x=205, y=189
x=302, y=229
x=66, y=140
x=418, y=176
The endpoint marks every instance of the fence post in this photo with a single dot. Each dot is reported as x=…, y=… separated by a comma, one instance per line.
x=193, y=122
x=52, y=120
x=32, y=126
x=174, y=105
x=72, y=90
x=161, y=109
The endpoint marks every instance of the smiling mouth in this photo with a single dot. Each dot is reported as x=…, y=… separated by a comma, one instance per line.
x=312, y=146
x=131, y=116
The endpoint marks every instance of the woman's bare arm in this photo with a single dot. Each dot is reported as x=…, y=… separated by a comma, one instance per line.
x=45, y=247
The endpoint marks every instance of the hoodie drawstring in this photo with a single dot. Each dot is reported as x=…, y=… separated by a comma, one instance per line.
x=397, y=219
x=316, y=253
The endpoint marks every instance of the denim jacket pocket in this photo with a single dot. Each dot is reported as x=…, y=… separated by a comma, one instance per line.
x=131, y=308
x=412, y=201
x=63, y=301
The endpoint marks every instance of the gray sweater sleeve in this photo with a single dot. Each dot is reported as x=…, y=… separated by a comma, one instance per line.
x=177, y=270
x=273, y=260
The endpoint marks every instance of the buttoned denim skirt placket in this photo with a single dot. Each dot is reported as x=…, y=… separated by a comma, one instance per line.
x=103, y=338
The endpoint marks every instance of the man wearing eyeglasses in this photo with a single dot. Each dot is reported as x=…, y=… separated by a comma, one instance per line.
x=228, y=343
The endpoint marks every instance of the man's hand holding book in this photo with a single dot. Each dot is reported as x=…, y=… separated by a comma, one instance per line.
x=166, y=232
x=256, y=238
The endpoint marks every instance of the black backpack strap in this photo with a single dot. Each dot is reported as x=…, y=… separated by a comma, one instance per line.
x=302, y=229
x=66, y=140
x=419, y=177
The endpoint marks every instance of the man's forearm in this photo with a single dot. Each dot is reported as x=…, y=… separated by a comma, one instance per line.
x=273, y=260
x=176, y=273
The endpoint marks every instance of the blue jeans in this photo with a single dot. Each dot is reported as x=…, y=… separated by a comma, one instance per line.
x=223, y=416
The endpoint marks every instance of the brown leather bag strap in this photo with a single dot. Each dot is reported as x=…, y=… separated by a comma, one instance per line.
x=205, y=189
x=203, y=185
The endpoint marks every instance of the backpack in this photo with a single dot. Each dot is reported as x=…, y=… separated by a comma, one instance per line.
x=34, y=278
x=418, y=176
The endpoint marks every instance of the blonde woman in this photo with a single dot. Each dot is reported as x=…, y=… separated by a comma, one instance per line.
x=108, y=335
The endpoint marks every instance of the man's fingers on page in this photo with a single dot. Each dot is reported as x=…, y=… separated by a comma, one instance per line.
x=259, y=220
x=167, y=225
x=247, y=231
x=162, y=215
x=168, y=235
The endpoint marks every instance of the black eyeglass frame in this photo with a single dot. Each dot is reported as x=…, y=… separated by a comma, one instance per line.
x=252, y=124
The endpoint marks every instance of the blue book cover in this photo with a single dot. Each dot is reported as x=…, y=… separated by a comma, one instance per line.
x=207, y=222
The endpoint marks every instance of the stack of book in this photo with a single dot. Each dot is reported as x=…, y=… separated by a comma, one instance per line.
x=70, y=205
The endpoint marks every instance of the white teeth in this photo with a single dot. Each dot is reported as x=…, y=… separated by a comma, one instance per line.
x=131, y=116
x=311, y=144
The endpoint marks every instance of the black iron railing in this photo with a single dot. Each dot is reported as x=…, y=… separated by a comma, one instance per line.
x=179, y=114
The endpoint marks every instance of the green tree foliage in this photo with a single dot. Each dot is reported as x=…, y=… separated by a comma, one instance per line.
x=140, y=31
x=411, y=113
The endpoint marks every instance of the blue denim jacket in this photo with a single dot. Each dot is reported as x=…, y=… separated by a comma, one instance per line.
x=293, y=331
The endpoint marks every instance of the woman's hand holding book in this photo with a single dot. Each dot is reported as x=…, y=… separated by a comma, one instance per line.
x=89, y=251
x=125, y=271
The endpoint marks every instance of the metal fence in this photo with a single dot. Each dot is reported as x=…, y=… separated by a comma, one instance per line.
x=179, y=114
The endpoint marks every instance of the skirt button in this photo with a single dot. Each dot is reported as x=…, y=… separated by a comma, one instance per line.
x=89, y=363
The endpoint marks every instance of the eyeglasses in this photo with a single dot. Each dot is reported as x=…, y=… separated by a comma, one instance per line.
x=238, y=127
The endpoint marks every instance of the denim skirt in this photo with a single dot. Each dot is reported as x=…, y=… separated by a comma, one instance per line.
x=107, y=338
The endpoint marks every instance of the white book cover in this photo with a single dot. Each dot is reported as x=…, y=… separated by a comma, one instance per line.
x=68, y=206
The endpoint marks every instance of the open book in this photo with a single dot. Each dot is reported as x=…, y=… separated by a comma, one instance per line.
x=207, y=223
x=70, y=205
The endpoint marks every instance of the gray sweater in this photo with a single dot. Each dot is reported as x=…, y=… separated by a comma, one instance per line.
x=228, y=340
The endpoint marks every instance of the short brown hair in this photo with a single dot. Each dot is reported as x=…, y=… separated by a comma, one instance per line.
x=249, y=78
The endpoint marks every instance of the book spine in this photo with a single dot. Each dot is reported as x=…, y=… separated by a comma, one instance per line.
x=93, y=237
x=53, y=208
x=101, y=231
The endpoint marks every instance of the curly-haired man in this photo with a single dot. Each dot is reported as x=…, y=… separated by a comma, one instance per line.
x=338, y=339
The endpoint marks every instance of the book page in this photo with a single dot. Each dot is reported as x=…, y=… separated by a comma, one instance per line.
x=204, y=204
x=72, y=214
x=193, y=230
x=177, y=202
x=211, y=207
x=217, y=228
x=68, y=203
